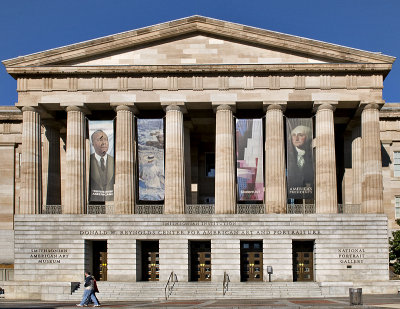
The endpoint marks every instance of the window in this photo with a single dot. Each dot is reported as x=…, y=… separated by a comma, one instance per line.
x=396, y=164
x=397, y=206
x=210, y=164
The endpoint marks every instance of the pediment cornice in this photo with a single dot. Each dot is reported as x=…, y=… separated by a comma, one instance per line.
x=198, y=25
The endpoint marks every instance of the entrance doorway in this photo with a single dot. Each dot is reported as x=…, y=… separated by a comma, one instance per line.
x=149, y=260
x=96, y=257
x=303, y=260
x=200, y=260
x=251, y=261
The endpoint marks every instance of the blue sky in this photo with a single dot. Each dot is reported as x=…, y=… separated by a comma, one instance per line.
x=29, y=26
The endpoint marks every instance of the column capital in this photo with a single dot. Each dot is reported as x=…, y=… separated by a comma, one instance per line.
x=126, y=107
x=224, y=107
x=173, y=107
x=268, y=105
x=371, y=106
x=326, y=106
x=75, y=108
x=276, y=107
x=30, y=109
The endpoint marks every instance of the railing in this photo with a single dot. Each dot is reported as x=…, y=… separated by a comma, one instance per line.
x=100, y=209
x=170, y=284
x=225, y=283
x=153, y=209
x=349, y=208
x=51, y=209
x=204, y=209
x=301, y=209
x=250, y=209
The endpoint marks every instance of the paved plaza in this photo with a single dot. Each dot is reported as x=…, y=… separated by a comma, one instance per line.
x=369, y=301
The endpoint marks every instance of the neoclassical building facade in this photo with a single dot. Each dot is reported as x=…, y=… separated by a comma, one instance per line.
x=202, y=121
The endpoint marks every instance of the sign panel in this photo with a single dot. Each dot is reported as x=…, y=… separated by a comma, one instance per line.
x=101, y=184
x=300, y=165
x=249, y=155
x=151, y=159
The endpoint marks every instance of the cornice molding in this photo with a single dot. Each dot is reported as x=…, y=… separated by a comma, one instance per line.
x=196, y=69
x=199, y=25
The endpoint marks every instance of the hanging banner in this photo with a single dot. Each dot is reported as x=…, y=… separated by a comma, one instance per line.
x=249, y=155
x=101, y=184
x=300, y=166
x=151, y=159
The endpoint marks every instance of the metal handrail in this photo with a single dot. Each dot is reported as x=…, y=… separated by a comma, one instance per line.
x=170, y=284
x=225, y=283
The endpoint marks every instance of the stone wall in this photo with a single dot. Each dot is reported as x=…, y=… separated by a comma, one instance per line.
x=52, y=247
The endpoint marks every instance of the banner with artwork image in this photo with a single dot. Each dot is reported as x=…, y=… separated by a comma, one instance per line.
x=101, y=182
x=249, y=156
x=151, y=159
x=300, y=166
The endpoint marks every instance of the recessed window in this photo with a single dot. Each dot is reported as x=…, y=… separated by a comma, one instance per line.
x=210, y=164
x=397, y=206
x=396, y=163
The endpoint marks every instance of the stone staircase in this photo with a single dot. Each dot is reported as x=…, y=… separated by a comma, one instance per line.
x=125, y=291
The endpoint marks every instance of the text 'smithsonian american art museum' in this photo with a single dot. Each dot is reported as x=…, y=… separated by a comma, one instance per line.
x=219, y=159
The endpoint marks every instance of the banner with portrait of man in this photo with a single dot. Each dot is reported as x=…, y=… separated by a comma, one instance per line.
x=249, y=156
x=300, y=164
x=150, y=134
x=101, y=181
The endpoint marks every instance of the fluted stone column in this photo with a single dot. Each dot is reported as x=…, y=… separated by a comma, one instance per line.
x=225, y=197
x=124, y=162
x=31, y=165
x=174, y=201
x=275, y=187
x=51, y=170
x=76, y=174
x=326, y=188
x=356, y=164
x=372, y=186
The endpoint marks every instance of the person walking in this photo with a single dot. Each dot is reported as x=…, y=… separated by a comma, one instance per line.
x=88, y=293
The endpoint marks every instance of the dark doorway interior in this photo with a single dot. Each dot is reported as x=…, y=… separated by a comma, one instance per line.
x=303, y=260
x=251, y=260
x=150, y=260
x=200, y=260
x=100, y=260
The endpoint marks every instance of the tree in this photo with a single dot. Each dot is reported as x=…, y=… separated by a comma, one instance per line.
x=394, y=250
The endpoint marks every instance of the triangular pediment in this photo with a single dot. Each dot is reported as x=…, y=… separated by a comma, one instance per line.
x=197, y=40
x=198, y=49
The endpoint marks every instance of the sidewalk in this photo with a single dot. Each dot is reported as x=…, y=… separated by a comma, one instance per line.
x=369, y=301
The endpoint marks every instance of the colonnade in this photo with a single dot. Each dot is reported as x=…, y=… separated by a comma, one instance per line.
x=367, y=162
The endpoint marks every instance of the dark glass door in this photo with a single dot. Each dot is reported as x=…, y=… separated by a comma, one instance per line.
x=200, y=260
x=251, y=261
x=303, y=261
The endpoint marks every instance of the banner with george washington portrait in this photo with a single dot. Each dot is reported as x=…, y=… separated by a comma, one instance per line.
x=101, y=181
x=300, y=164
x=150, y=140
x=249, y=156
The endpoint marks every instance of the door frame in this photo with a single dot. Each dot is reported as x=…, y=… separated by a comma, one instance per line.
x=193, y=251
x=243, y=251
x=305, y=243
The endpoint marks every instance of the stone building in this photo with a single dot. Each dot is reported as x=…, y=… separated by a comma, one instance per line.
x=188, y=200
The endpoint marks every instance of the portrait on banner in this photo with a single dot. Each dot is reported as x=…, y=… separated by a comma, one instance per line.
x=101, y=181
x=300, y=164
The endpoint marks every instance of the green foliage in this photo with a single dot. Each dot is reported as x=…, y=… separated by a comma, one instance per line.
x=394, y=250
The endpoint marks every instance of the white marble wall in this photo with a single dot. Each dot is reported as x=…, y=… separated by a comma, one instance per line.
x=331, y=234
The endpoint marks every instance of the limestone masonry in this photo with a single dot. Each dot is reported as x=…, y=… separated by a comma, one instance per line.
x=198, y=150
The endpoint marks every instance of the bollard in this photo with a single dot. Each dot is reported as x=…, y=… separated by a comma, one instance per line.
x=355, y=296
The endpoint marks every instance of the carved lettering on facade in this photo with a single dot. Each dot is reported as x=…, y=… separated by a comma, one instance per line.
x=351, y=255
x=49, y=256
